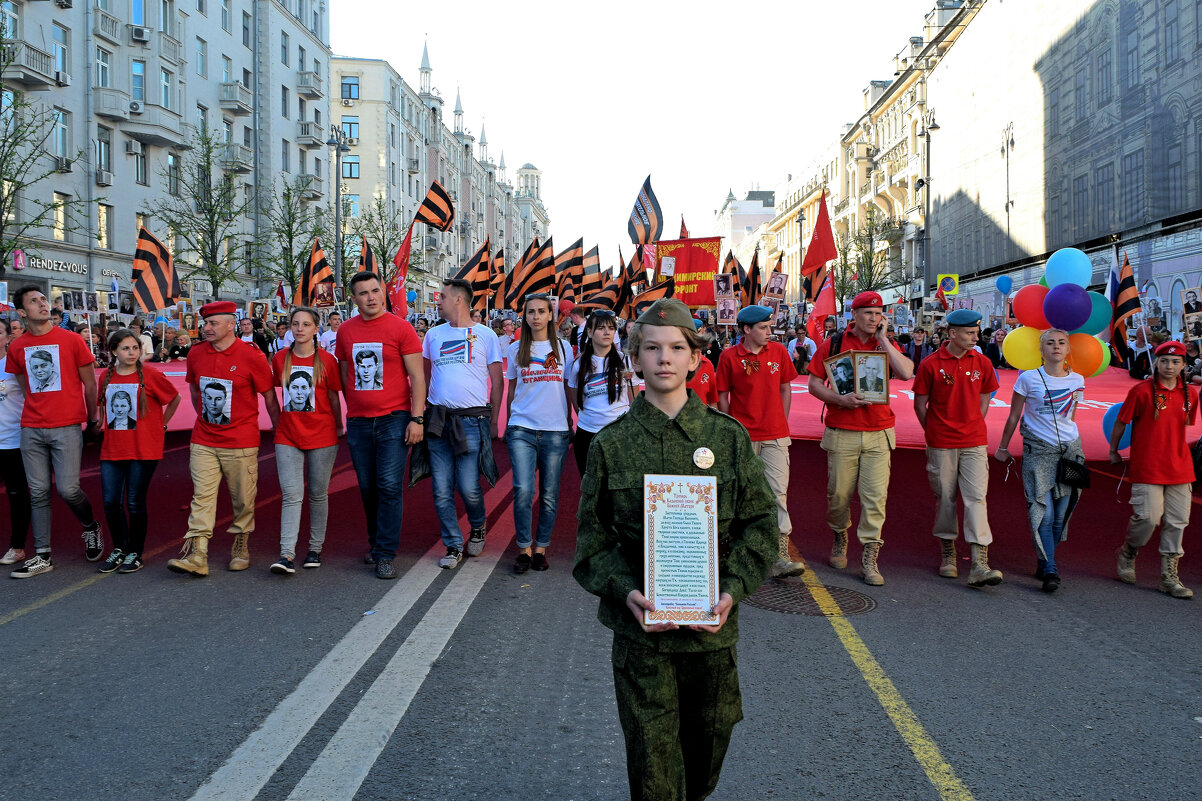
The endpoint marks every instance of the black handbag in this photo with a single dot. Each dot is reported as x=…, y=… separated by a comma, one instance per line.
x=1069, y=472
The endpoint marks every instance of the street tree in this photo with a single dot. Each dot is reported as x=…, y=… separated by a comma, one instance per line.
x=292, y=223
x=864, y=263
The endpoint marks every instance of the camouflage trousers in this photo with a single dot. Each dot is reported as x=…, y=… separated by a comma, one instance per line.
x=677, y=712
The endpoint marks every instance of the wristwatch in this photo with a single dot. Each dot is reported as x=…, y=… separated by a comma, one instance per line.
x=419, y=419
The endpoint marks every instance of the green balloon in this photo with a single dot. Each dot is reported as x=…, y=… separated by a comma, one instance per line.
x=1043, y=281
x=1105, y=360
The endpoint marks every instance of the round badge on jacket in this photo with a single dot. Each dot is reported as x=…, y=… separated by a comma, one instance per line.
x=703, y=458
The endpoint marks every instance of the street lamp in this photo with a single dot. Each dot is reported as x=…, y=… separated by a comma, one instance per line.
x=929, y=125
x=801, y=218
x=337, y=141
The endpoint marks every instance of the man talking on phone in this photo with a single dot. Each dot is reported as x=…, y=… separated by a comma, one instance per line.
x=859, y=437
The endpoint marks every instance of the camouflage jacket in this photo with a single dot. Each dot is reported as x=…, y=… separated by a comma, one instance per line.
x=609, y=535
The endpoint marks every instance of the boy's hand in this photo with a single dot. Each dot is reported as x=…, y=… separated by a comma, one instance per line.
x=636, y=602
x=725, y=604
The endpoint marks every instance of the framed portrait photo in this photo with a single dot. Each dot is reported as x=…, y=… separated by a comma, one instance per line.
x=841, y=373
x=872, y=376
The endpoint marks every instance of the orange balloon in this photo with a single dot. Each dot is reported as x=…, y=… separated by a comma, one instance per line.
x=1085, y=353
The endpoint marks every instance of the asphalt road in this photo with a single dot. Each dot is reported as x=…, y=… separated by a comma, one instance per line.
x=479, y=684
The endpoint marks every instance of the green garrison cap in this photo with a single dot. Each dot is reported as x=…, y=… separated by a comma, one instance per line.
x=668, y=311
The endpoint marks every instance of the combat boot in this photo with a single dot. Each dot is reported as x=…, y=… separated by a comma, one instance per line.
x=1127, y=556
x=193, y=558
x=1169, y=582
x=868, y=569
x=785, y=564
x=839, y=550
x=981, y=573
x=240, y=552
x=947, y=567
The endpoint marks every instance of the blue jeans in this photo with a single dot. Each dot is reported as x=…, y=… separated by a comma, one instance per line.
x=1051, y=529
x=124, y=485
x=379, y=453
x=451, y=472
x=530, y=450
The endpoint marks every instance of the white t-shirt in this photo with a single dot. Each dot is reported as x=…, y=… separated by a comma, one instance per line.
x=539, y=400
x=597, y=411
x=12, y=403
x=328, y=340
x=459, y=360
x=1061, y=397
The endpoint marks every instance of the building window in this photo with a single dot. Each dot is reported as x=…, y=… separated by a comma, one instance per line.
x=246, y=78
x=166, y=80
x=203, y=7
x=227, y=69
x=1054, y=112
x=225, y=15
x=60, y=216
x=284, y=101
x=167, y=13
x=10, y=19
x=246, y=135
x=350, y=125
x=350, y=205
x=1081, y=95
x=173, y=173
x=284, y=153
x=1103, y=196
x=202, y=117
x=104, y=226
x=1172, y=32
x=350, y=87
x=227, y=131
x=60, y=135
x=284, y=48
x=1176, y=182
x=104, y=74
x=1104, y=78
x=141, y=174
x=60, y=46
x=316, y=166
x=350, y=166
x=137, y=81
x=137, y=12
x=245, y=29
x=202, y=57
x=302, y=109
x=1131, y=62
x=300, y=161
x=1080, y=204
x=301, y=57
x=1133, y=185
x=104, y=148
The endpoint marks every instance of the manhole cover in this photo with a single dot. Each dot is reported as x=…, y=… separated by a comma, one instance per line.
x=792, y=597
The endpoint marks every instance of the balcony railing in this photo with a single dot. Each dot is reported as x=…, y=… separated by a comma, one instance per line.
x=236, y=98
x=26, y=64
x=308, y=83
x=308, y=134
x=107, y=25
x=314, y=186
x=169, y=48
x=238, y=158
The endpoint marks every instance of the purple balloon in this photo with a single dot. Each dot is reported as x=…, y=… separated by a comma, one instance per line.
x=1067, y=306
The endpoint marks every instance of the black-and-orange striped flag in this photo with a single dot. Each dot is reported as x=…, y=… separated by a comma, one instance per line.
x=636, y=272
x=317, y=271
x=751, y=289
x=812, y=284
x=367, y=259
x=476, y=272
x=591, y=280
x=503, y=300
x=437, y=210
x=569, y=272
x=639, y=303
x=646, y=218
x=536, y=275
x=1124, y=303
x=496, y=280
x=156, y=285
x=610, y=296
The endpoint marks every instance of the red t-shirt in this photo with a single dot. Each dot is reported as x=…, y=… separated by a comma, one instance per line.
x=306, y=417
x=50, y=364
x=705, y=383
x=875, y=417
x=384, y=389
x=230, y=382
x=955, y=387
x=754, y=381
x=1159, y=453
x=139, y=421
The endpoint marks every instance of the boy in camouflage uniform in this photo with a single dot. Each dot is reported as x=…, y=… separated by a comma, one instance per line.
x=677, y=686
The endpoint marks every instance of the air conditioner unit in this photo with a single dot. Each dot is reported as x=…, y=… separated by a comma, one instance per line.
x=352, y=140
x=346, y=101
x=133, y=147
x=135, y=107
x=63, y=3
x=62, y=164
x=139, y=34
x=104, y=178
x=62, y=78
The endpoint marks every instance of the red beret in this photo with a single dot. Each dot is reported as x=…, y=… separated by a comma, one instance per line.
x=865, y=299
x=1170, y=348
x=218, y=307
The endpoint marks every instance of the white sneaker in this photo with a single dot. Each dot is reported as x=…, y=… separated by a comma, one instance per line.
x=451, y=560
x=33, y=567
x=12, y=556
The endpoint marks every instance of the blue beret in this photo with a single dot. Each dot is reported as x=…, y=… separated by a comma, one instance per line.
x=963, y=317
x=754, y=314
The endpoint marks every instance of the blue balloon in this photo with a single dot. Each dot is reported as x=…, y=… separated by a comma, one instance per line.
x=1099, y=317
x=1004, y=284
x=412, y=296
x=1067, y=306
x=1108, y=420
x=1068, y=266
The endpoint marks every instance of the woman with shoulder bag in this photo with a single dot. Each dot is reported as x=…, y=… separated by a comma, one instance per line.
x=1046, y=401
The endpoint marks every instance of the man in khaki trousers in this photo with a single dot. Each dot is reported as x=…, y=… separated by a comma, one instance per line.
x=951, y=396
x=226, y=376
x=859, y=437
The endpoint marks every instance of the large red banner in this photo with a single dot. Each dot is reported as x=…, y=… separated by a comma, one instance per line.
x=693, y=263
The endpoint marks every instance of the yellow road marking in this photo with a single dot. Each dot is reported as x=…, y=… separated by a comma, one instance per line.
x=925, y=751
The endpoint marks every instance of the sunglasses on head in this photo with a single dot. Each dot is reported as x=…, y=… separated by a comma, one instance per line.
x=602, y=314
x=537, y=296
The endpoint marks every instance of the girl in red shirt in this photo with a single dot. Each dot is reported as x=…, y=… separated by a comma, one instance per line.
x=308, y=431
x=132, y=401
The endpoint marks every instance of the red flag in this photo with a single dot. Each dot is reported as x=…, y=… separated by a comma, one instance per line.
x=684, y=232
x=822, y=244
x=279, y=293
x=941, y=298
x=824, y=307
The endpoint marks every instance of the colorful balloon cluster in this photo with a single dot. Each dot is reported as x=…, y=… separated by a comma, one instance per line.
x=1060, y=300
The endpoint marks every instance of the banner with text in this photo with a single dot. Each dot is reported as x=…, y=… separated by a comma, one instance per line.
x=693, y=263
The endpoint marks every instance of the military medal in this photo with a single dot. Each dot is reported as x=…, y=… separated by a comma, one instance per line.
x=471, y=335
x=703, y=458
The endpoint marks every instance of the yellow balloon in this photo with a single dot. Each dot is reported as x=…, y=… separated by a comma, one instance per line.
x=1021, y=348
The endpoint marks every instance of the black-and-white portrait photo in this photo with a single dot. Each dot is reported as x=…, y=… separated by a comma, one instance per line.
x=44, y=368
x=872, y=381
x=1193, y=326
x=121, y=407
x=728, y=311
x=77, y=300
x=1189, y=300
x=68, y=303
x=368, y=365
x=723, y=286
x=841, y=373
x=91, y=301
x=216, y=400
x=298, y=390
x=776, y=285
x=127, y=302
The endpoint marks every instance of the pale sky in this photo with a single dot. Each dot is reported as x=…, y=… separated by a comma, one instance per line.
x=703, y=96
